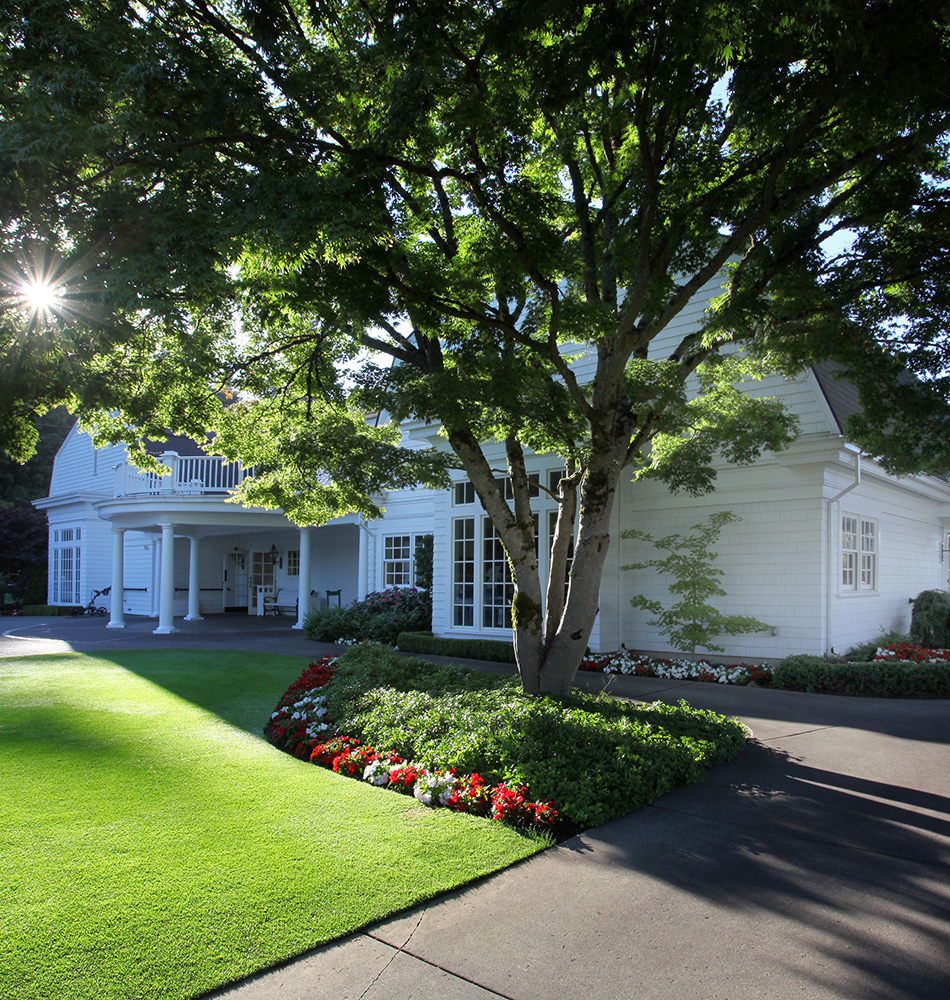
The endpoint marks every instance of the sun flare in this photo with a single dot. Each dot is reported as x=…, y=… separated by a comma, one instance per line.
x=40, y=296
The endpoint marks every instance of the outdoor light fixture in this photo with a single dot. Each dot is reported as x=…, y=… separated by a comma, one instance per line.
x=275, y=556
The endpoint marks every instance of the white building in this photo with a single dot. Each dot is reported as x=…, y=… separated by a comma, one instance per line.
x=829, y=551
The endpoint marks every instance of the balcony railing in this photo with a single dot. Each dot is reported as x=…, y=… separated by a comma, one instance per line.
x=190, y=475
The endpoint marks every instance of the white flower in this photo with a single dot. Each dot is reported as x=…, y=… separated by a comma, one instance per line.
x=434, y=789
x=377, y=773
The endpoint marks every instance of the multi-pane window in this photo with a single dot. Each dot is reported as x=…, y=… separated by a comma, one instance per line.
x=497, y=588
x=463, y=571
x=868, y=555
x=534, y=488
x=293, y=562
x=66, y=566
x=262, y=570
x=397, y=561
x=858, y=553
x=482, y=588
x=463, y=493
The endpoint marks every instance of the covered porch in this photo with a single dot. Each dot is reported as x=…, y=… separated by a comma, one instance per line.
x=195, y=555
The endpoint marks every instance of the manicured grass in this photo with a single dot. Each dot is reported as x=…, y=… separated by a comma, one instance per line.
x=154, y=845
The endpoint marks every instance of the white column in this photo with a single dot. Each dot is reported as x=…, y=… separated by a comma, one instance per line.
x=116, y=619
x=362, y=566
x=194, y=613
x=166, y=599
x=303, y=581
x=156, y=575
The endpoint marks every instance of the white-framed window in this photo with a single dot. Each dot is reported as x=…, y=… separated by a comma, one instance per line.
x=859, y=550
x=66, y=566
x=497, y=587
x=397, y=561
x=293, y=562
x=463, y=571
x=463, y=494
x=482, y=588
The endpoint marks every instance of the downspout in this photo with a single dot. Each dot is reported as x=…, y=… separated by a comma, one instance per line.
x=831, y=547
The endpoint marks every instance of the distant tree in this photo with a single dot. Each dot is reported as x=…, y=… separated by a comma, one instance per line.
x=480, y=192
x=23, y=548
x=30, y=480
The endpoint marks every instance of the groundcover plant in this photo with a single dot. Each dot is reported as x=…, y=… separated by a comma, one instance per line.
x=476, y=743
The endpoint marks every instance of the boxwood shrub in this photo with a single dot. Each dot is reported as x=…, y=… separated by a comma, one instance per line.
x=872, y=679
x=596, y=758
x=470, y=649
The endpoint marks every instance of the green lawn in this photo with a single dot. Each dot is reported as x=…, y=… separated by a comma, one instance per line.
x=154, y=845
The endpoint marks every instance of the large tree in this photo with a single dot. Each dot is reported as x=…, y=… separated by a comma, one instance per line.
x=514, y=202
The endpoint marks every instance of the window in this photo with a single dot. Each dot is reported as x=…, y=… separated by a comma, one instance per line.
x=397, y=561
x=534, y=488
x=66, y=566
x=482, y=588
x=463, y=494
x=463, y=571
x=262, y=570
x=497, y=588
x=293, y=562
x=858, y=553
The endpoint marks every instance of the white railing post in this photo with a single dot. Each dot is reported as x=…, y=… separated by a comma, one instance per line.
x=170, y=459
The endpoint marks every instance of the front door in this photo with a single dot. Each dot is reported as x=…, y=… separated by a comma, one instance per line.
x=235, y=581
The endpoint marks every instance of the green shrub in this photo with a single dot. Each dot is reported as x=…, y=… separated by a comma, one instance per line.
x=863, y=652
x=332, y=624
x=470, y=649
x=877, y=679
x=596, y=758
x=930, y=620
x=380, y=617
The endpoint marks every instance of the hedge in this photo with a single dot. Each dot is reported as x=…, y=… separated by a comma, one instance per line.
x=470, y=649
x=49, y=609
x=873, y=679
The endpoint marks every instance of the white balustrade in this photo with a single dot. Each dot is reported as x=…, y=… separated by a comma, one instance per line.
x=189, y=475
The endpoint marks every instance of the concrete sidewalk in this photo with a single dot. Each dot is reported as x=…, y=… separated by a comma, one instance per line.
x=816, y=864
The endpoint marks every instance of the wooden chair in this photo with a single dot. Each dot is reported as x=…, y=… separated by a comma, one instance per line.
x=336, y=594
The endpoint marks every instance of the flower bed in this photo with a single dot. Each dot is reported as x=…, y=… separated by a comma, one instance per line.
x=907, y=653
x=299, y=725
x=639, y=665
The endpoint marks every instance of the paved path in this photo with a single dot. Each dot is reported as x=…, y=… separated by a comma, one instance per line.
x=816, y=864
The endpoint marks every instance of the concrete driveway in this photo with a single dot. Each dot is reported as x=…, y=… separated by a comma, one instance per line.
x=816, y=864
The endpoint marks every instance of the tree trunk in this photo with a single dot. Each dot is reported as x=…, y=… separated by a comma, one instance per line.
x=548, y=658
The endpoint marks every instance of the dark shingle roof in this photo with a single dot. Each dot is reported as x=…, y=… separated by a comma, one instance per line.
x=841, y=395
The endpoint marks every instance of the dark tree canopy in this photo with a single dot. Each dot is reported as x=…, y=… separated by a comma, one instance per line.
x=469, y=189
